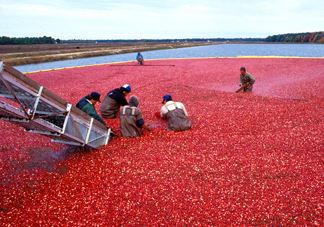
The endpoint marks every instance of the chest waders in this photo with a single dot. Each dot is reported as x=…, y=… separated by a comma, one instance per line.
x=177, y=119
x=128, y=125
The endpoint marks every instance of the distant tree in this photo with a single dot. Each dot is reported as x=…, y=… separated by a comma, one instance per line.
x=4, y=40
x=310, y=37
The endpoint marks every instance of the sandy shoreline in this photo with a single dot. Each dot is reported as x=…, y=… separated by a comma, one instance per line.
x=22, y=54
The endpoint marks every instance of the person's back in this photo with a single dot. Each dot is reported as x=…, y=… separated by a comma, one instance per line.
x=82, y=104
x=113, y=101
x=176, y=115
x=139, y=56
x=109, y=107
x=131, y=119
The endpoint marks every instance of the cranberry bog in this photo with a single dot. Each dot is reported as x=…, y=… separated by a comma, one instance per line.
x=250, y=158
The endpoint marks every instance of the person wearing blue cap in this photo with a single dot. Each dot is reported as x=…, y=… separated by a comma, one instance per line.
x=114, y=100
x=87, y=105
x=176, y=114
x=140, y=58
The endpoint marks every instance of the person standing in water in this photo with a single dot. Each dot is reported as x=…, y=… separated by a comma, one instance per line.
x=140, y=58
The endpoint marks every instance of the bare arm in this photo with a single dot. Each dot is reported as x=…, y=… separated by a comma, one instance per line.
x=184, y=109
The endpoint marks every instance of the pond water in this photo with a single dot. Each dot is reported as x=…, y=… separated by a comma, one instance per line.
x=222, y=50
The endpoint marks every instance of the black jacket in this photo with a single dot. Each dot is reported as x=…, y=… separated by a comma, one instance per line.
x=117, y=95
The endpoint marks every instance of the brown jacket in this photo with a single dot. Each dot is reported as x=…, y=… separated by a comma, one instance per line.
x=131, y=121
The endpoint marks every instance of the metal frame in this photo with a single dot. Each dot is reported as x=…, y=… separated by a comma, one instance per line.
x=89, y=131
x=47, y=114
x=108, y=136
x=68, y=109
x=39, y=94
x=13, y=93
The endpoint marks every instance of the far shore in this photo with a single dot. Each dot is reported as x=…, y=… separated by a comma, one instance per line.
x=39, y=53
x=30, y=54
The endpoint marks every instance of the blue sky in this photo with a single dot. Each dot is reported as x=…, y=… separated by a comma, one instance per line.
x=127, y=19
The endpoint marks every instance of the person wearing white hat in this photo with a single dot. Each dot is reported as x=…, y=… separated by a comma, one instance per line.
x=114, y=100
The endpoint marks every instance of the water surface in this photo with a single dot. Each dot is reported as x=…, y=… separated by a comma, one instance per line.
x=223, y=50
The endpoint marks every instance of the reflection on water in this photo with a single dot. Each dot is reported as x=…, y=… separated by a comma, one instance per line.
x=224, y=50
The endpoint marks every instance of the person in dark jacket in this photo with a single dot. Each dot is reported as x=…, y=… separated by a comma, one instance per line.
x=87, y=105
x=140, y=58
x=176, y=114
x=131, y=120
x=114, y=100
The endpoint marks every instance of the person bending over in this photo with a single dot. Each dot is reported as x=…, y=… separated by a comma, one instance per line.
x=246, y=81
x=131, y=120
x=87, y=105
x=140, y=58
x=176, y=114
x=114, y=100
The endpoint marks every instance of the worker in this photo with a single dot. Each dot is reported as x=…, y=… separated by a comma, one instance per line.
x=87, y=105
x=175, y=113
x=131, y=120
x=246, y=80
x=140, y=58
x=114, y=100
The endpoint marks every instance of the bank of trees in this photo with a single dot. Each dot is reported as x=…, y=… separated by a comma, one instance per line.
x=4, y=40
x=308, y=37
x=181, y=40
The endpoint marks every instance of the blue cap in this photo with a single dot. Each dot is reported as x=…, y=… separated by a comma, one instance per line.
x=126, y=87
x=167, y=98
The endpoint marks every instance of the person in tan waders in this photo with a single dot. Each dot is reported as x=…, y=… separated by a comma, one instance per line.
x=131, y=120
x=176, y=114
x=114, y=100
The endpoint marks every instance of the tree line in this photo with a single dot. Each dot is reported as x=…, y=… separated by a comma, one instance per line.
x=4, y=40
x=307, y=37
x=165, y=40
